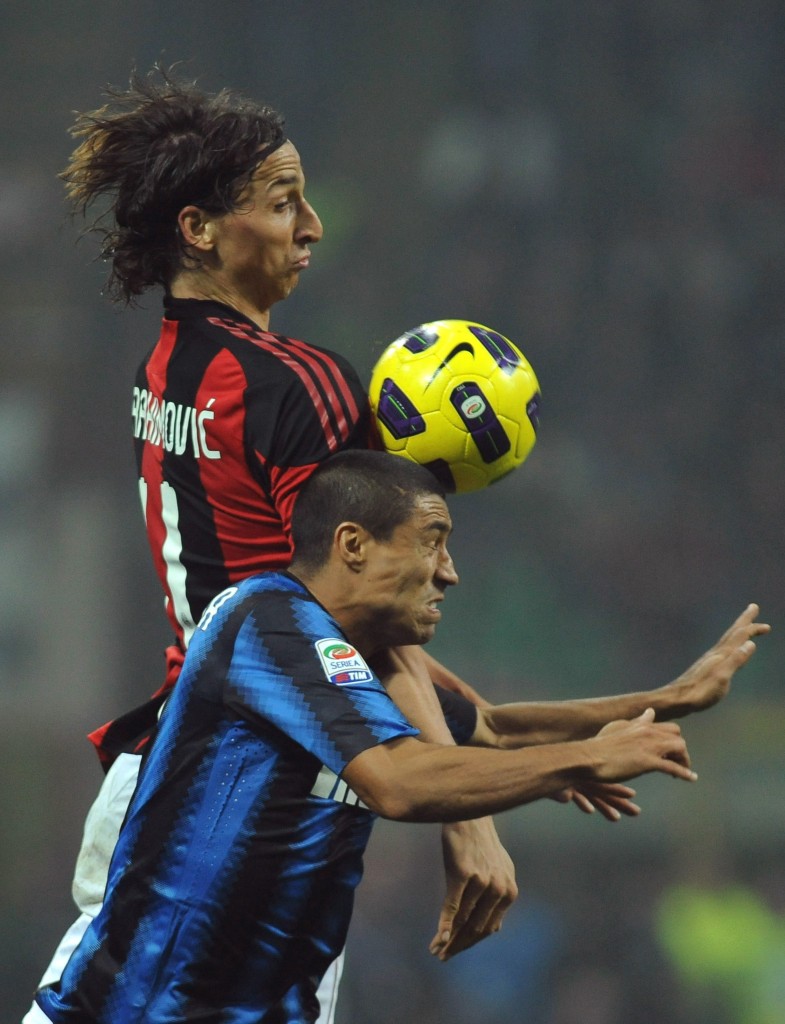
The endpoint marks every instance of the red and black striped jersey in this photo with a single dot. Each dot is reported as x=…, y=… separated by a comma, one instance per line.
x=228, y=422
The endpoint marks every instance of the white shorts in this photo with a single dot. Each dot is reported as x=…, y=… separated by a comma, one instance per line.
x=102, y=827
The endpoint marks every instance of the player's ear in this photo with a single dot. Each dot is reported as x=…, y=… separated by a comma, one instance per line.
x=350, y=542
x=197, y=228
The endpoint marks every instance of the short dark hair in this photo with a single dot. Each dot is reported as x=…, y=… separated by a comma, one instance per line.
x=152, y=149
x=374, y=489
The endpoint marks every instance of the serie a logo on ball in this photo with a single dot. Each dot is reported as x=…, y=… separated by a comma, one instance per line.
x=459, y=398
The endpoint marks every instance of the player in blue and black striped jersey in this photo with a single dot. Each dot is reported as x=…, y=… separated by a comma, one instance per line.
x=235, y=871
x=231, y=887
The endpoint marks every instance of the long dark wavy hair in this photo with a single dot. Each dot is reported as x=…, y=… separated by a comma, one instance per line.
x=152, y=149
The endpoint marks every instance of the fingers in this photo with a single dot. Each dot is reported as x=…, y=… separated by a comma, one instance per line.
x=745, y=626
x=742, y=654
x=480, y=886
x=563, y=796
x=640, y=746
x=748, y=618
x=623, y=723
x=479, y=915
x=449, y=911
x=717, y=667
x=582, y=802
x=613, y=810
x=616, y=790
x=675, y=758
x=737, y=644
x=612, y=800
x=732, y=640
x=678, y=770
x=742, y=621
x=708, y=680
x=661, y=748
x=674, y=747
x=613, y=807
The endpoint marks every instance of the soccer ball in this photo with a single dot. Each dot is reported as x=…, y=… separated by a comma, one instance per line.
x=458, y=398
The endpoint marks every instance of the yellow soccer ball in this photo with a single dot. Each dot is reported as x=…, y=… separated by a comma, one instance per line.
x=458, y=398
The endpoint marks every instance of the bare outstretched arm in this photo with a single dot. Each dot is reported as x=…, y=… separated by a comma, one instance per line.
x=702, y=685
x=408, y=780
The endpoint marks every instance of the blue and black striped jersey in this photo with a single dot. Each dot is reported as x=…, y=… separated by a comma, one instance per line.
x=233, y=879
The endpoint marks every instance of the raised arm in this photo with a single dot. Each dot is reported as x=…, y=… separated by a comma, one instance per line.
x=509, y=726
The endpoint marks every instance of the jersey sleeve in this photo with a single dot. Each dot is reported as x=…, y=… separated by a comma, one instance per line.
x=459, y=714
x=292, y=668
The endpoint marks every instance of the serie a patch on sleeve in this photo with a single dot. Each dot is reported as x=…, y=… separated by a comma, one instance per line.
x=342, y=663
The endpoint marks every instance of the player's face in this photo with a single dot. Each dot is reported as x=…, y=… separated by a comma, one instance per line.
x=410, y=573
x=263, y=246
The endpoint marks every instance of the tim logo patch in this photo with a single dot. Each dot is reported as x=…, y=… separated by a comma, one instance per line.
x=341, y=662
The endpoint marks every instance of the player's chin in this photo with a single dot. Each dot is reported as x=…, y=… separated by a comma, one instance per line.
x=416, y=629
x=286, y=287
x=292, y=281
x=426, y=631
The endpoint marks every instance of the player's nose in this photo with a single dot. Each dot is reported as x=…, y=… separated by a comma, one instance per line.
x=445, y=570
x=309, y=226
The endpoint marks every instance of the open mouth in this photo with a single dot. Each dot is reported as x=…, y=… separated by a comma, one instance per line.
x=433, y=607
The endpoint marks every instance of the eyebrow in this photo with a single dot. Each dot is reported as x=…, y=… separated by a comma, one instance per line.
x=441, y=527
x=284, y=179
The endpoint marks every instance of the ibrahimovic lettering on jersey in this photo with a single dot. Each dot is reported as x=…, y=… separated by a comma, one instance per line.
x=234, y=874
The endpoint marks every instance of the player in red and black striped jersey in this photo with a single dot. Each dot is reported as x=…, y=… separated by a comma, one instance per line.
x=228, y=422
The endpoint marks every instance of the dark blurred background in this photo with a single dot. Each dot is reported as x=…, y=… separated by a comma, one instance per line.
x=605, y=184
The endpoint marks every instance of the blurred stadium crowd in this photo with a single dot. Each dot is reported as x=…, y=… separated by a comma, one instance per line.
x=603, y=183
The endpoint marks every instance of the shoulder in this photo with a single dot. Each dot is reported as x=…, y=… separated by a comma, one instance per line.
x=310, y=365
x=266, y=354
x=273, y=597
x=228, y=328
x=262, y=587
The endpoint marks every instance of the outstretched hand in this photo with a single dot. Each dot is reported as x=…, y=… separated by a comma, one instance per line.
x=708, y=680
x=480, y=886
x=639, y=746
x=611, y=799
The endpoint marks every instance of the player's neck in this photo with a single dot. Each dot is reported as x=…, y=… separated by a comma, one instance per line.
x=338, y=594
x=189, y=285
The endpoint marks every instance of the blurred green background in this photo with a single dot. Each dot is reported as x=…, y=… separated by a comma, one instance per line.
x=605, y=184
